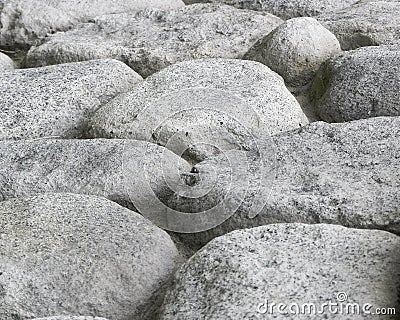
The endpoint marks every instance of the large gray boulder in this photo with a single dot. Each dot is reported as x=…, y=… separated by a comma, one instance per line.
x=150, y=40
x=347, y=174
x=202, y=107
x=290, y=271
x=70, y=318
x=286, y=9
x=23, y=23
x=75, y=254
x=6, y=64
x=359, y=84
x=59, y=100
x=367, y=23
x=119, y=170
x=296, y=50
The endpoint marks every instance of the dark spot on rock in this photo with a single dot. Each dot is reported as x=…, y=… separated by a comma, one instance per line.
x=2, y=291
x=194, y=170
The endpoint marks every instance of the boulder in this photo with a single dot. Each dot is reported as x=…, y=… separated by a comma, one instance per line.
x=202, y=107
x=346, y=174
x=70, y=318
x=59, y=100
x=359, y=84
x=367, y=23
x=150, y=40
x=289, y=271
x=23, y=23
x=296, y=50
x=125, y=171
x=286, y=9
x=6, y=64
x=76, y=254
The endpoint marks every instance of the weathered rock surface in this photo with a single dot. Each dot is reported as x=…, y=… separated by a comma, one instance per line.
x=368, y=23
x=74, y=254
x=347, y=174
x=23, y=23
x=287, y=9
x=6, y=64
x=116, y=169
x=70, y=318
x=359, y=84
x=202, y=107
x=150, y=40
x=242, y=274
x=59, y=100
x=296, y=50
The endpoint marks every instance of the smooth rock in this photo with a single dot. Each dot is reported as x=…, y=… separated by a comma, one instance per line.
x=24, y=23
x=6, y=64
x=248, y=274
x=202, y=107
x=74, y=254
x=125, y=171
x=359, y=84
x=286, y=9
x=346, y=174
x=59, y=100
x=150, y=40
x=368, y=23
x=296, y=50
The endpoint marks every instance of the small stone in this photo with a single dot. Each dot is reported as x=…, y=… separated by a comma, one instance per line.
x=296, y=50
x=6, y=64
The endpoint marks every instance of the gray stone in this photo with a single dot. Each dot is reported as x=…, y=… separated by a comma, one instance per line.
x=287, y=9
x=347, y=174
x=242, y=274
x=359, y=84
x=74, y=254
x=23, y=23
x=201, y=107
x=59, y=100
x=296, y=50
x=119, y=170
x=6, y=64
x=365, y=24
x=70, y=318
x=150, y=40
